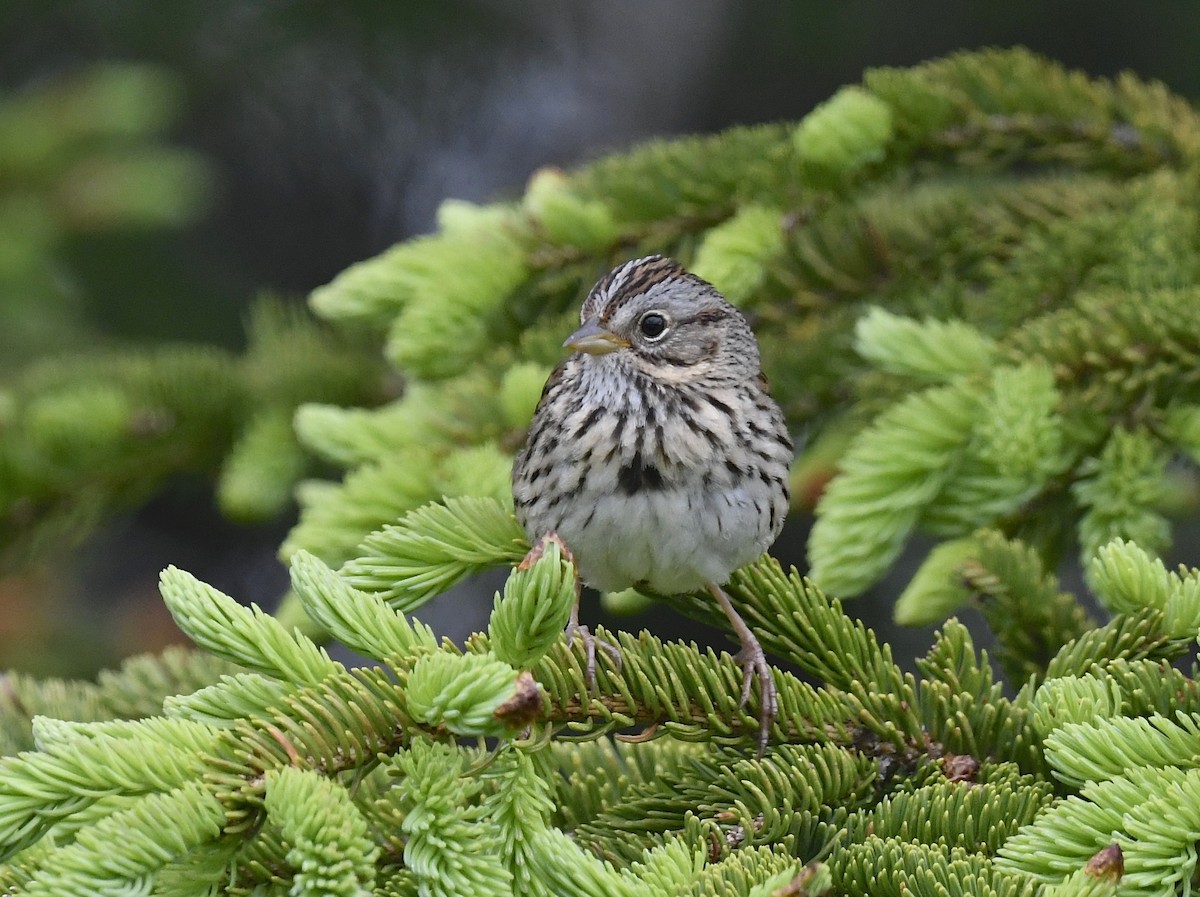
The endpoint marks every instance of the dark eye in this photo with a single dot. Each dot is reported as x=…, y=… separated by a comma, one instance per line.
x=653, y=325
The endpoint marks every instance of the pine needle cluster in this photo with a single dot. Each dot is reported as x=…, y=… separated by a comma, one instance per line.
x=492, y=767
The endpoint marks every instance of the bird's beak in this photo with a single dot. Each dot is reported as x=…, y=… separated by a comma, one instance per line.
x=595, y=340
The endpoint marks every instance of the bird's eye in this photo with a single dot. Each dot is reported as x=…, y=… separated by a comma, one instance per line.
x=653, y=325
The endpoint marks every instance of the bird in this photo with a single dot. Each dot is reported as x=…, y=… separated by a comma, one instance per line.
x=656, y=453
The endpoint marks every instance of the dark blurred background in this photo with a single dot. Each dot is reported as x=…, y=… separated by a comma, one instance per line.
x=306, y=136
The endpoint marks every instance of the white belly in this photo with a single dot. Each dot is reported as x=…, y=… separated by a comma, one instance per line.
x=660, y=540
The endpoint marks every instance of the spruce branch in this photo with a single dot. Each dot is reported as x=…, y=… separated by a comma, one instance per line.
x=844, y=134
x=534, y=609
x=797, y=621
x=594, y=774
x=1108, y=745
x=1122, y=490
x=434, y=547
x=743, y=803
x=762, y=871
x=449, y=850
x=343, y=722
x=361, y=622
x=136, y=689
x=1032, y=618
x=964, y=709
x=893, y=867
x=1099, y=877
x=468, y=694
x=187, y=735
x=229, y=699
x=262, y=467
x=1130, y=807
x=39, y=789
x=353, y=436
x=1112, y=353
x=341, y=516
x=735, y=253
x=681, y=690
x=978, y=274
x=1127, y=579
x=1071, y=699
x=461, y=278
x=521, y=805
x=154, y=831
x=1125, y=637
x=568, y=219
x=930, y=350
x=697, y=178
x=247, y=636
x=887, y=478
x=332, y=852
x=91, y=434
x=1150, y=687
x=940, y=585
x=979, y=817
x=23, y=697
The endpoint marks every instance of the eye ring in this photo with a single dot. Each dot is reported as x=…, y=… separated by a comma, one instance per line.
x=653, y=326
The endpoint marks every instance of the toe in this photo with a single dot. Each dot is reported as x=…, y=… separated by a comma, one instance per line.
x=748, y=674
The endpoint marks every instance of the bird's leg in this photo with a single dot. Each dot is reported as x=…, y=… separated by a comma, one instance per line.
x=754, y=663
x=574, y=628
x=590, y=642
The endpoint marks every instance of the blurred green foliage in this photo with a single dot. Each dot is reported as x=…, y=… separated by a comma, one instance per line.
x=82, y=154
x=92, y=191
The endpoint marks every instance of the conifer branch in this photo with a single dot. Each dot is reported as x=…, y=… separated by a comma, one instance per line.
x=974, y=280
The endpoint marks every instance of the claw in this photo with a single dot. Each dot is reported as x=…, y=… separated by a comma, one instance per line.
x=747, y=678
x=754, y=665
x=590, y=643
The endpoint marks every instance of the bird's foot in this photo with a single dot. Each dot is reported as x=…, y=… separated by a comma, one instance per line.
x=754, y=665
x=590, y=643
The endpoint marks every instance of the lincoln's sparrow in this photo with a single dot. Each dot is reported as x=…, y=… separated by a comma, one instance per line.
x=656, y=453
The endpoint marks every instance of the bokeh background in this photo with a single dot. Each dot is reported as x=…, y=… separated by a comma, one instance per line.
x=161, y=164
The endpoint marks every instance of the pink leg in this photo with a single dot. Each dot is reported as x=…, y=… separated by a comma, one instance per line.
x=754, y=663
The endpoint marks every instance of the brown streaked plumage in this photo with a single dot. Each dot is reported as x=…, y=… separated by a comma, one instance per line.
x=656, y=453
